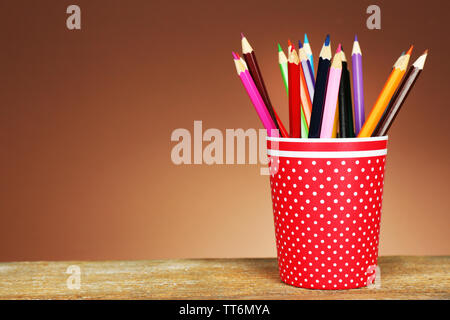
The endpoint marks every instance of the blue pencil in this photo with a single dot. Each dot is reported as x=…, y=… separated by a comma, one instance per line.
x=309, y=53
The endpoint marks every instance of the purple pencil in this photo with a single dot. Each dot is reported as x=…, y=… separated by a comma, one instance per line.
x=307, y=71
x=358, y=90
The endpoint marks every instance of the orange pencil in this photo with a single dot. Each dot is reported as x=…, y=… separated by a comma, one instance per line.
x=334, y=133
x=385, y=96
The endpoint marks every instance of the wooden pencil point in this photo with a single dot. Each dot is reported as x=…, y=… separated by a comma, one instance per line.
x=420, y=62
x=337, y=62
x=325, y=52
x=290, y=44
x=403, y=62
x=410, y=50
x=293, y=57
x=302, y=54
x=305, y=40
x=246, y=47
x=240, y=67
x=343, y=57
x=356, y=48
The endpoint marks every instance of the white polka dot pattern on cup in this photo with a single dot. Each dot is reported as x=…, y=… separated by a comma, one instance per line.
x=327, y=219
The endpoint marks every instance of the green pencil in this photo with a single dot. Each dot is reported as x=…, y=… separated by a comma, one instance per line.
x=282, y=60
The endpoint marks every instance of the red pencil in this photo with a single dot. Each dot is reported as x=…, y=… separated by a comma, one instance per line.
x=290, y=47
x=294, y=94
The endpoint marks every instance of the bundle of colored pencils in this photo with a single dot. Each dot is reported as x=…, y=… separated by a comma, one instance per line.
x=321, y=106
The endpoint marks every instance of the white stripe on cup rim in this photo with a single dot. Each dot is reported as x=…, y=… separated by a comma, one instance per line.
x=327, y=154
x=314, y=140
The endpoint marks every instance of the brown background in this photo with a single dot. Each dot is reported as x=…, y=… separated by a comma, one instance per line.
x=86, y=118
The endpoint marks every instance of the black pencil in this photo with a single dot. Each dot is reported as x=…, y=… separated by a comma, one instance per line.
x=320, y=89
x=346, y=129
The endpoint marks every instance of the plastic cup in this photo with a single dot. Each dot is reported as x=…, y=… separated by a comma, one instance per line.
x=326, y=196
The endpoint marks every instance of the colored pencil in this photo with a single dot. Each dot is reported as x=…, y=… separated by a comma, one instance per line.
x=255, y=96
x=358, y=88
x=294, y=94
x=304, y=127
x=400, y=96
x=290, y=46
x=282, y=60
x=309, y=52
x=304, y=96
x=334, y=79
x=307, y=71
x=398, y=60
x=385, y=96
x=255, y=72
x=335, y=133
x=320, y=89
x=345, y=102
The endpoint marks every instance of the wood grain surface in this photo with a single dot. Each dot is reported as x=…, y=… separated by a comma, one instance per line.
x=401, y=278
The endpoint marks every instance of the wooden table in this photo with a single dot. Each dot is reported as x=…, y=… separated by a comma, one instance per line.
x=401, y=278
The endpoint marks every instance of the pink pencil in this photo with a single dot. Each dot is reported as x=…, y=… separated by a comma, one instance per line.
x=334, y=79
x=255, y=97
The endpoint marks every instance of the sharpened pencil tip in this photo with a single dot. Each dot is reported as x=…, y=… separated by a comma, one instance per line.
x=327, y=40
x=356, y=37
x=290, y=44
x=242, y=35
x=279, y=48
x=410, y=50
x=235, y=55
x=305, y=40
x=338, y=48
x=300, y=45
x=420, y=62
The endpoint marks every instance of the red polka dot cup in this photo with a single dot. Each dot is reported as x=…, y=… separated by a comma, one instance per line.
x=326, y=196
